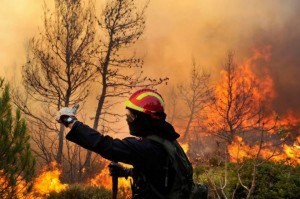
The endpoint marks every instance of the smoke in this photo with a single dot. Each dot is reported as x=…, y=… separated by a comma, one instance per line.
x=19, y=21
x=285, y=62
x=178, y=30
x=206, y=30
x=284, y=38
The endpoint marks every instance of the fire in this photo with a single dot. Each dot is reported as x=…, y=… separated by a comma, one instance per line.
x=293, y=152
x=48, y=181
x=289, y=119
x=239, y=150
x=260, y=59
x=185, y=146
x=240, y=92
x=19, y=190
x=104, y=179
x=239, y=96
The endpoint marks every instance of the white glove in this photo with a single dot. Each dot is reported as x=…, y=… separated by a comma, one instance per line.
x=66, y=115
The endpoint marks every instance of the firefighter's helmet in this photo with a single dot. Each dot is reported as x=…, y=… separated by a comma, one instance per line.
x=147, y=101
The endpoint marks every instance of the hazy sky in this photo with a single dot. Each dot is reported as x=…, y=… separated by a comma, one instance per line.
x=178, y=30
x=19, y=20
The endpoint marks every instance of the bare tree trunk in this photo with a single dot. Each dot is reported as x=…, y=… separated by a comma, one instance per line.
x=87, y=163
x=188, y=126
x=196, y=94
x=60, y=144
x=59, y=72
x=122, y=24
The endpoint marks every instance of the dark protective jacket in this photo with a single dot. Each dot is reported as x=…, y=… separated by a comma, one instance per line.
x=146, y=156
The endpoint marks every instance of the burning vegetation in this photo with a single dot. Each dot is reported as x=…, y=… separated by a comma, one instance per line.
x=48, y=183
x=287, y=154
x=245, y=126
x=105, y=180
x=241, y=129
x=239, y=119
x=49, y=180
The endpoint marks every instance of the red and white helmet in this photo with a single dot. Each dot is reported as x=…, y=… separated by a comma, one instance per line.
x=147, y=101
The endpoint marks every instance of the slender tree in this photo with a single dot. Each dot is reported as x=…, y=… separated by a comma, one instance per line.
x=16, y=161
x=195, y=95
x=59, y=70
x=172, y=100
x=121, y=24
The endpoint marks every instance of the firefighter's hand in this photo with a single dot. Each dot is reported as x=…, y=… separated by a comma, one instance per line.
x=66, y=116
x=118, y=170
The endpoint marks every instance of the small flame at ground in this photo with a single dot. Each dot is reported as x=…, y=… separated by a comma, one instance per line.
x=293, y=152
x=104, y=179
x=19, y=190
x=239, y=150
x=48, y=181
x=185, y=146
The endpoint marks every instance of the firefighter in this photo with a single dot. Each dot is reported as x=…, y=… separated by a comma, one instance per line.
x=154, y=173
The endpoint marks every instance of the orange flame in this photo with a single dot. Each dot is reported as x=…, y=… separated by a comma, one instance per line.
x=19, y=190
x=239, y=150
x=246, y=75
x=104, y=179
x=289, y=119
x=48, y=181
x=185, y=146
x=243, y=81
x=293, y=152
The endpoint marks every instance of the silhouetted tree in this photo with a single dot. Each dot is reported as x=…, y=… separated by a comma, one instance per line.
x=122, y=24
x=196, y=94
x=234, y=104
x=58, y=73
x=59, y=68
x=172, y=100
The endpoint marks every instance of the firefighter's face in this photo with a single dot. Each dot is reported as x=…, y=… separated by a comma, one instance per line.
x=135, y=123
x=130, y=116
